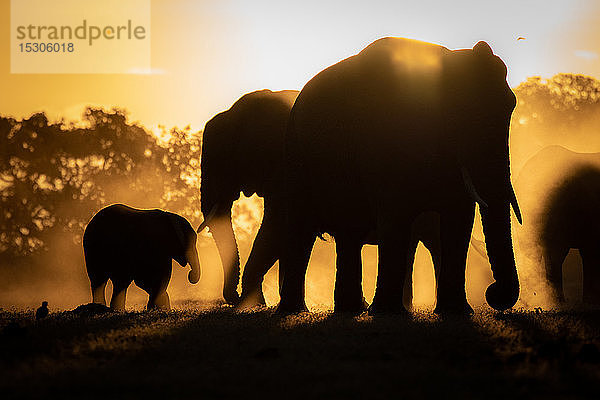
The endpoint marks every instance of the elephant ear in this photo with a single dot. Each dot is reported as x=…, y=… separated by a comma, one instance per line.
x=483, y=49
x=176, y=224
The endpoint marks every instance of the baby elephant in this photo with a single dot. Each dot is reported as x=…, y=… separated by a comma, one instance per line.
x=125, y=244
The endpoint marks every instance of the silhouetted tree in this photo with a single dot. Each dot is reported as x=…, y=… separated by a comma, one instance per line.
x=54, y=177
x=563, y=110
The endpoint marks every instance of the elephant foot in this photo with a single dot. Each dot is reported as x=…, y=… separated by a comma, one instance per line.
x=461, y=308
x=231, y=297
x=288, y=307
x=252, y=300
x=159, y=302
x=351, y=307
x=156, y=307
x=387, y=308
x=502, y=296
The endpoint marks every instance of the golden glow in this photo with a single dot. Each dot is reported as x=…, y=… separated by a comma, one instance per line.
x=206, y=54
x=414, y=55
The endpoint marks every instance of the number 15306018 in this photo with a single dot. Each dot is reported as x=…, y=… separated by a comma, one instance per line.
x=42, y=47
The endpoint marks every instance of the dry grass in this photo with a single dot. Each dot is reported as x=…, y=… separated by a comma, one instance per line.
x=199, y=351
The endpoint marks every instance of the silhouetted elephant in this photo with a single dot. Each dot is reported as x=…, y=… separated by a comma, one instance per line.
x=402, y=120
x=242, y=151
x=125, y=244
x=561, y=197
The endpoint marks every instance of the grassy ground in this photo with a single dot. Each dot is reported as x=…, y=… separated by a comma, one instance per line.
x=204, y=351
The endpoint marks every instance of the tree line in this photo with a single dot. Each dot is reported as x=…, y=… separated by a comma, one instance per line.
x=55, y=175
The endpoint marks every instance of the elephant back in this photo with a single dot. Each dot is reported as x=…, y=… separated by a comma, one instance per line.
x=347, y=113
x=243, y=146
x=554, y=183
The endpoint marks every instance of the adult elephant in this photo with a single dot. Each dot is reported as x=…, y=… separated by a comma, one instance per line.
x=242, y=151
x=561, y=195
x=402, y=128
x=126, y=244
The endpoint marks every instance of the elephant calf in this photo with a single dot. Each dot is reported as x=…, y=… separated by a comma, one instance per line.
x=125, y=244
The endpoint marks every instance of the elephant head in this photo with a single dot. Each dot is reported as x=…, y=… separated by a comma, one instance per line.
x=479, y=118
x=183, y=245
x=242, y=151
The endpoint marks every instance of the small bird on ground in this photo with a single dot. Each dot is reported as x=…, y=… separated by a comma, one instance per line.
x=42, y=312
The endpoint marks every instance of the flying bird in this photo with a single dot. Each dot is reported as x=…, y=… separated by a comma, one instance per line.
x=520, y=38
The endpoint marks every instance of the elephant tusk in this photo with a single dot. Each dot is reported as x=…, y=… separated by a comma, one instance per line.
x=471, y=188
x=210, y=215
x=201, y=227
x=515, y=205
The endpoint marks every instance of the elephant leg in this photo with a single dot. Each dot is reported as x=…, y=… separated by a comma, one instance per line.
x=436, y=258
x=98, y=289
x=98, y=277
x=117, y=302
x=455, y=233
x=591, y=275
x=348, y=294
x=554, y=257
x=293, y=265
x=224, y=237
x=265, y=251
x=155, y=281
x=394, y=244
x=159, y=300
x=407, y=298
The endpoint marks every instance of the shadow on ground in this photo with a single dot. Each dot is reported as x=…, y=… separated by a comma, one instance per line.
x=219, y=353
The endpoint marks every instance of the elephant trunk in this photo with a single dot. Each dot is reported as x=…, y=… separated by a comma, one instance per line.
x=192, y=259
x=504, y=292
x=222, y=231
x=486, y=175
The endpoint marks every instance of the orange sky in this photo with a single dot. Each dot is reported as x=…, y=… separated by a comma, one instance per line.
x=207, y=53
